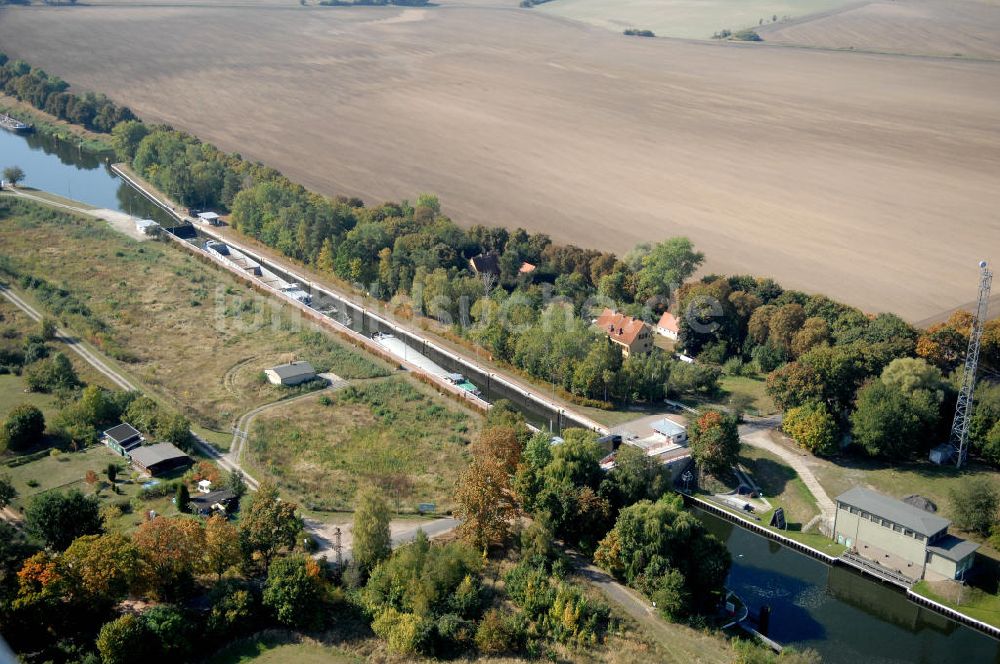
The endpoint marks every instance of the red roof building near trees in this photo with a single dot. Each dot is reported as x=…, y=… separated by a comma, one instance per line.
x=631, y=334
x=668, y=326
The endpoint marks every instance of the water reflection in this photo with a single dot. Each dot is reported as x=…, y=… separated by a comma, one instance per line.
x=846, y=617
x=69, y=153
x=63, y=168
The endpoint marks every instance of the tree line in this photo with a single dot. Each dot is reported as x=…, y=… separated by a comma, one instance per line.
x=823, y=359
x=49, y=93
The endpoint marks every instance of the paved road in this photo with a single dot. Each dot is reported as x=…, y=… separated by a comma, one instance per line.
x=403, y=531
x=757, y=432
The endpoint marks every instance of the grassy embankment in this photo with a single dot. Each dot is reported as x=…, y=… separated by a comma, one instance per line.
x=974, y=602
x=188, y=333
x=782, y=487
x=52, y=126
x=390, y=432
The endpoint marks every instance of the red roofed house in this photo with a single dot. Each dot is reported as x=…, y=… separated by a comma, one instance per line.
x=631, y=334
x=668, y=326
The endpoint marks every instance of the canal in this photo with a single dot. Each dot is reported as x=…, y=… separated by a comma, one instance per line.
x=62, y=168
x=848, y=618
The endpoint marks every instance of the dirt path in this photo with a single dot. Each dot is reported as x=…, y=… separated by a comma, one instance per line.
x=242, y=428
x=403, y=531
x=757, y=432
x=682, y=644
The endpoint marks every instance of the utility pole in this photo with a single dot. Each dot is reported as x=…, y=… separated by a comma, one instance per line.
x=338, y=548
x=963, y=408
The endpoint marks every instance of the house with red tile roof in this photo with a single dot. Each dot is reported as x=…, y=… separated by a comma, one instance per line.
x=668, y=326
x=633, y=335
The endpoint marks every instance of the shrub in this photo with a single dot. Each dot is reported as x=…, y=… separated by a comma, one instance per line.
x=974, y=505
x=403, y=632
x=22, y=428
x=747, y=35
x=812, y=427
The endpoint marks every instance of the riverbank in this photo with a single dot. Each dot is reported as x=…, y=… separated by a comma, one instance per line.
x=919, y=595
x=49, y=125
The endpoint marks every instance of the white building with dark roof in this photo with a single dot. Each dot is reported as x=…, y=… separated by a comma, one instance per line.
x=122, y=438
x=292, y=373
x=900, y=537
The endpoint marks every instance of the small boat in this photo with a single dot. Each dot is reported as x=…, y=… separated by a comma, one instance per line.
x=15, y=125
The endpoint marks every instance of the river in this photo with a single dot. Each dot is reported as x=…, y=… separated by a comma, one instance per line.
x=62, y=168
x=848, y=618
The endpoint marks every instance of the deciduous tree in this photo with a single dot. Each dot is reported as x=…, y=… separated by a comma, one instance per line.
x=172, y=549
x=662, y=549
x=974, y=503
x=486, y=503
x=715, y=442
x=58, y=518
x=668, y=264
x=13, y=174
x=124, y=640
x=22, y=428
x=370, y=534
x=890, y=423
x=812, y=427
x=222, y=545
x=7, y=491
x=101, y=566
x=295, y=591
x=269, y=526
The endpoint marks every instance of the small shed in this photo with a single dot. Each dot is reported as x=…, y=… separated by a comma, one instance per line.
x=209, y=218
x=674, y=433
x=160, y=458
x=223, y=502
x=122, y=438
x=292, y=373
x=941, y=454
x=205, y=486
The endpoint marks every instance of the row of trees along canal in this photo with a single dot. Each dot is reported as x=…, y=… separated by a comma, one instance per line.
x=778, y=338
x=818, y=353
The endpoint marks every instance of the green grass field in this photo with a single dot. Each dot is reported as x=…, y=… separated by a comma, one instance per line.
x=783, y=488
x=973, y=602
x=390, y=432
x=67, y=471
x=273, y=650
x=186, y=331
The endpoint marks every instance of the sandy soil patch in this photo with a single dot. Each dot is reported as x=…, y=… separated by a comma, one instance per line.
x=871, y=178
x=121, y=222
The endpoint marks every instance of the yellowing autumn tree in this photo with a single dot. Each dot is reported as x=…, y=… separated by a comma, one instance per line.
x=172, y=550
x=486, y=502
x=222, y=545
x=101, y=566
